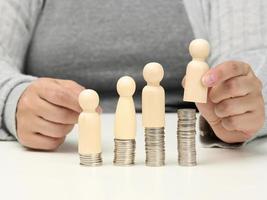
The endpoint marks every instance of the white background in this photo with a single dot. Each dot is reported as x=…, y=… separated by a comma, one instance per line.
x=220, y=174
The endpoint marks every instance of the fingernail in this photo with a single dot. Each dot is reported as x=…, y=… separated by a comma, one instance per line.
x=99, y=110
x=209, y=79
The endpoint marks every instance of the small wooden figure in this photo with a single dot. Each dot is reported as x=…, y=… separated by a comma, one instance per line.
x=89, y=128
x=194, y=90
x=153, y=97
x=125, y=116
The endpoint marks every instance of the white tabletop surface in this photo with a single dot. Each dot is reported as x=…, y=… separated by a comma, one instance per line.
x=220, y=173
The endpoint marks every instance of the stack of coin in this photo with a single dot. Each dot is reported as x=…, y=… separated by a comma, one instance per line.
x=155, y=146
x=186, y=132
x=124, y=152
x=91, y=159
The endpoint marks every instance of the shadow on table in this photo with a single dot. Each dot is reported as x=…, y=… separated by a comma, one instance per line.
x=253, y=150
x=72, y=147
x=68, y=147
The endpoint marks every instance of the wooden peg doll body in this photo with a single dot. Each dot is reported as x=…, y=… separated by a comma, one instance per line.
x=125, y=116
x=89, y=124
x=194, y=90
x=153, y=97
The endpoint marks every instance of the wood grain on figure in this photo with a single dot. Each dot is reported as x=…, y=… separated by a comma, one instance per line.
x=89, y=123
x=153, y=97
x=194, y=90
x=125, y=116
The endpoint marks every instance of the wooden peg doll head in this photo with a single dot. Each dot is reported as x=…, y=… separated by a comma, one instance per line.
x=89, y=100
x=126, y=86
x=199, y=49
x=153, y=73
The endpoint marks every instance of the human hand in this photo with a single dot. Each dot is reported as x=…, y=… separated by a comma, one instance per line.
x=235, y=108
x=47, y=112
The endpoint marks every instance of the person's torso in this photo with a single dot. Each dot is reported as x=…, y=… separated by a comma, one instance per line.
x=96, y=42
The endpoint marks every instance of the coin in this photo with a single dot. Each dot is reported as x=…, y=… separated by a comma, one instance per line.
x=155, y=146
x=124, y=152
x=186, y=131
x=91, y=159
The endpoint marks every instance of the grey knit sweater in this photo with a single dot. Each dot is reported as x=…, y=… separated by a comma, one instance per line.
x=235, y=29
x=97, y=45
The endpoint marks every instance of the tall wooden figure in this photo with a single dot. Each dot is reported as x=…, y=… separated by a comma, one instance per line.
x=89, y=129
x=125, y=123
x=153, y=114
x=194, y=90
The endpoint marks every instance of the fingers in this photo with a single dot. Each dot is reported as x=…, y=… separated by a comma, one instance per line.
x=234, y=87
x=225, y=71
x=76, y=88
x=99, y=109
x=41, y=142
x=235, y=106
x=59, y=95
x=51, y=129
x=46, y=112
x=248, y=123
x=71, y=85
x=230, y=136
x=54, y=113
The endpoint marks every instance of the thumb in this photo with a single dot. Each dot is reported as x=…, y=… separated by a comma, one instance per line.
x=99, y=110
x=206, y=109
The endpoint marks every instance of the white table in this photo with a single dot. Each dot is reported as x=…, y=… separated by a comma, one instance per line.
x=220, y=174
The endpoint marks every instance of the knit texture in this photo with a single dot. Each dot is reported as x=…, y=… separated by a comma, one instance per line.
x=17, y=21
x=235, y=29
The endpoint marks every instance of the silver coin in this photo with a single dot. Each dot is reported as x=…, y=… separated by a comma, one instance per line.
x=124, y=152
x=91, y=159
x=186, y=114
x=186, y=132
x=155, y=146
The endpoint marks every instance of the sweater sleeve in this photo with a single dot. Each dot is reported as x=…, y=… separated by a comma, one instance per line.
x=236, y=30
x=17, y=22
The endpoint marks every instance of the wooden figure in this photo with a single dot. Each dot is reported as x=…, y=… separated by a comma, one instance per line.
x=125, y=116
x=89, y=124
x=194, y=90
x=153, y=97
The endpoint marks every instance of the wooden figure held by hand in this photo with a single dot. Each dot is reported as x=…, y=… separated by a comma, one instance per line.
x=194, y=90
